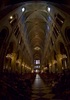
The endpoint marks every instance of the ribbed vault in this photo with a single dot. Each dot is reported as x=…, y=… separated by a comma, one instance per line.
x=35, y=16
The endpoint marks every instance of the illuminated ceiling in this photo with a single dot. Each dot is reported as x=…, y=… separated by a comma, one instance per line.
x=35, y=25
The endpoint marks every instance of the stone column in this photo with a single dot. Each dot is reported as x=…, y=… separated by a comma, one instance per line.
x=59, y=62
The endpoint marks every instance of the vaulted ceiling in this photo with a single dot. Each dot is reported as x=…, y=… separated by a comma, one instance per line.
x=35, y=19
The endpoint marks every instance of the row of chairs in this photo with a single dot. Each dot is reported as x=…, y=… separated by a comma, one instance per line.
x=59, y=83
x=16, y=87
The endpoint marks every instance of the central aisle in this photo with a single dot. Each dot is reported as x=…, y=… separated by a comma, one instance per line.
x=40, y=90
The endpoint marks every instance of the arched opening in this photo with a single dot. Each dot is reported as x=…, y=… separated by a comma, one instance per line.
x=3, y=45
x=54, y=55
x=10, y=48
x=3, y=35
x=67, y=34
x=64, y=56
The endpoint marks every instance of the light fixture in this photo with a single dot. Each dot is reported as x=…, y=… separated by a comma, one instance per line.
x=62, y=68
x=9, y=56
x=27, y=67
x=36, y=71
x=32, y=71
x=23, y=9
x=45, y=68
x=64, y=56
x=50, y=64
x=37, y=48
x=54, y=62
x=11, y=17
x=19, y=41
x=48, y=9
x=60, y=56
x=18, y=61
x=23, y=64
x=42, y=71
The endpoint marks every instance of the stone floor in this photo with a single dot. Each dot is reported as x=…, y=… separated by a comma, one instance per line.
x=41, y=91
x=34, y=87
